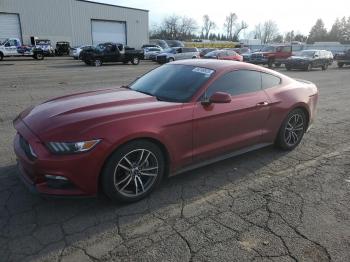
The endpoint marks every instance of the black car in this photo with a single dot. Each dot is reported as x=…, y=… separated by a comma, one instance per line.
x=62, y=48
x=309, y=59
x=111, y=52
x=343, y=59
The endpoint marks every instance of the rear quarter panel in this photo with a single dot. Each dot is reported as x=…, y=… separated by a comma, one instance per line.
x=285, y=98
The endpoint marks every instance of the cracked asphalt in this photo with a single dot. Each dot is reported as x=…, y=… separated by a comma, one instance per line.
x=267, y=205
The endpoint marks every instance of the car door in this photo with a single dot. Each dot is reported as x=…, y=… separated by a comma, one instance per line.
x=11, y=47
x=221, y=128
x=317, y=59
x=109, y=53
x=178, y=54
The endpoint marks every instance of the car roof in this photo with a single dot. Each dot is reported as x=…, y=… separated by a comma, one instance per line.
x=223, y=65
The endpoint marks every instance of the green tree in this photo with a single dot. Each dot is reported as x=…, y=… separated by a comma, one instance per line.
x=318, y=32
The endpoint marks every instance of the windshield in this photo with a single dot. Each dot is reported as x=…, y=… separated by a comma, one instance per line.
x=170, y=50
x=213, y=53
x=307, y=53
x=172, y=83
x=268, y=49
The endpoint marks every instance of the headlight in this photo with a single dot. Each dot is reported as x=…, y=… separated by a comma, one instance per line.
x=72, y=147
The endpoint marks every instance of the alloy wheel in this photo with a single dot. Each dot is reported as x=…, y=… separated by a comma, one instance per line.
x=294, y=129
x=136, y=172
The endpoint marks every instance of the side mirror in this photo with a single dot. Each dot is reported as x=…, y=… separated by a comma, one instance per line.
x=315, y=56
x=7, y=44
x=218, y=98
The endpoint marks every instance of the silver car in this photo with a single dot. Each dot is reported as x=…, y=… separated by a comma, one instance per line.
x=177, y=53
x=150, y=51
x=75, y=51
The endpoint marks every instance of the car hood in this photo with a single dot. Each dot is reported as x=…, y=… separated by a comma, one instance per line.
x=88, y=110
x=300, y=58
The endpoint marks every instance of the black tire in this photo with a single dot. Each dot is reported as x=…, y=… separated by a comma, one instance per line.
x=325, y=67
x=1, y=56
x=288, y=68
x=87, y=62
x=270, y=63
x=115, y=172
x=340, y=65
x=135, y=61
x=171, y=59
x=98, y=62
x=308, y=67
x=285, y=139
x=39, y=56
x=277, y=64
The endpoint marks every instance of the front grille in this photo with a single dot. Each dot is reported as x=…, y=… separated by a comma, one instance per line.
x=161, y=59
x=26, y=148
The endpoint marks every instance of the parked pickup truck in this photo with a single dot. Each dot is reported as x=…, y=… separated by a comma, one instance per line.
x=13, y=47
x=111, y=52
x=343, y=59
x=271, y=55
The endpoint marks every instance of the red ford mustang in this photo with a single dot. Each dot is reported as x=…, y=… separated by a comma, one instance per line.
x=177, y=117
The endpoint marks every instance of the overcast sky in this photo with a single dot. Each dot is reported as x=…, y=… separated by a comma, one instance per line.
x=297, y=15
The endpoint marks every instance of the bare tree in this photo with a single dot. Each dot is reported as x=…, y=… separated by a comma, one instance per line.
x=175, y=27
x=208, y=25
x=229, y=25
x=239, y=27
x=270, y=30
x=266, y=32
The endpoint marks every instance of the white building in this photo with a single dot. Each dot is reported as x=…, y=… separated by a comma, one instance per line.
x=76, y=21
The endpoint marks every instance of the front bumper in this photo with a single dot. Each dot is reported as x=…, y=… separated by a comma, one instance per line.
x=81, y=171
x=296, y=65
x=258, y=61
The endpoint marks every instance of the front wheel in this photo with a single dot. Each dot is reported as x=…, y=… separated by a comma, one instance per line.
x=270, y=63
x=340, y=65
x=325, y=67
x=277, y=64
x=133, y=171
x=98, y=62
x=135, y=61
x=1, y=56
x=171, y=59
x=308, y=67
x=39, y=56
x=292, y=130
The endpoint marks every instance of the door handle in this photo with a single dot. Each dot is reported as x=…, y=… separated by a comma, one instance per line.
x=262, y=104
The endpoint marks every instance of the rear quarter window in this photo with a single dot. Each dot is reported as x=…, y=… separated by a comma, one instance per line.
x=268, y=80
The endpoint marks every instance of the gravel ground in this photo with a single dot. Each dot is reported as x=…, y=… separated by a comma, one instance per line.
x=266, y=205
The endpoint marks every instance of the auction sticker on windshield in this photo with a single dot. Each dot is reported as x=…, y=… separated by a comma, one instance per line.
x=207, y=72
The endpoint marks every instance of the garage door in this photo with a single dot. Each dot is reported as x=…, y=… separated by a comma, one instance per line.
x=108, y=31
x=9, y=26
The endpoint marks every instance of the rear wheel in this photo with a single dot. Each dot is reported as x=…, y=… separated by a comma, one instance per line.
x=277, y=64
x=135, y=61
x=325, y=67
x=133, y=171
x=340, y=65
x=292, y=130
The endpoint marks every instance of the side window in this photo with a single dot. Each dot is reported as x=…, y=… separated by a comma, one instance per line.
x=236, y=83
x=120, y=47
x=287, y=49
x=13, y=42
x=268, y=80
